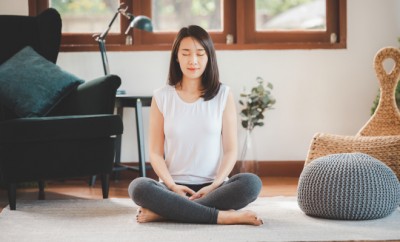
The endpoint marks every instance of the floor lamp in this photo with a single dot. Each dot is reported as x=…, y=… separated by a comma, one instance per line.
x=138, y=22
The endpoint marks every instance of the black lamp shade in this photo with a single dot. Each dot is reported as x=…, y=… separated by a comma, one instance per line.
x=143, y=23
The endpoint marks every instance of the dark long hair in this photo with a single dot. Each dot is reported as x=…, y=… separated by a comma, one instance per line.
x=210, y=78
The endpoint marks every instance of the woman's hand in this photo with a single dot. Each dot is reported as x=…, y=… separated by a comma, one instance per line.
x=183, y=191
x=202, y=192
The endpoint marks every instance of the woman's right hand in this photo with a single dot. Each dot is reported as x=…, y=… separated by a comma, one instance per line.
x=183, y=191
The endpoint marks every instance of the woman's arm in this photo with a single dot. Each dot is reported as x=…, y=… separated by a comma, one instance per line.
x=156, y=150
x=229, y=141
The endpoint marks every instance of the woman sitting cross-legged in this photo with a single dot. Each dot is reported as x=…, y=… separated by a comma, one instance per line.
x=193, y=144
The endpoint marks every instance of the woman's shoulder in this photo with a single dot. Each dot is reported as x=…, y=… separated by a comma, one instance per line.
x=223, y=90
x=222, y=95
x=162, y=96
x=165, y=90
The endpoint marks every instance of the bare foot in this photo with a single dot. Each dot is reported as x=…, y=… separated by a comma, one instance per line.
x=238, y=217
x=145, y=215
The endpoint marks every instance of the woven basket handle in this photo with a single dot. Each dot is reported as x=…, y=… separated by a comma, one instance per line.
x=386, y=119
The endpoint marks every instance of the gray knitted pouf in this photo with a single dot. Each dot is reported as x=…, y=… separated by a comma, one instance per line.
x=348, y=186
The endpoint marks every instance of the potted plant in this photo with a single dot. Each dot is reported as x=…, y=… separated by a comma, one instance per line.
x=254, y=104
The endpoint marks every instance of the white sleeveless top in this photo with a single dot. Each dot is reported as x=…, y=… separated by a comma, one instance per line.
x=193, y=147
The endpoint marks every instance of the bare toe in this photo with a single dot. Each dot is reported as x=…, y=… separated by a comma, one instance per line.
x=239, y=217
x=145, y=215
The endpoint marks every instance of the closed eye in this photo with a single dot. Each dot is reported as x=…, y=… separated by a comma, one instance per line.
x=201, y=53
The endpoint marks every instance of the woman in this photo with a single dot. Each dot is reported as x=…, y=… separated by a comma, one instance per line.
x=189, y=118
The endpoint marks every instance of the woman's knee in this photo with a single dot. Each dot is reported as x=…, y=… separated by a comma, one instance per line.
x=139, y=186
x=251, y=184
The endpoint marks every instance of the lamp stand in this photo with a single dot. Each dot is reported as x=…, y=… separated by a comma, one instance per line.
x=139, y=22
x=101, y=39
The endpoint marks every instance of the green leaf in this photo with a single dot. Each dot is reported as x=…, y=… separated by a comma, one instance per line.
x=260, y=116
x=245, y=112
x=244, y=124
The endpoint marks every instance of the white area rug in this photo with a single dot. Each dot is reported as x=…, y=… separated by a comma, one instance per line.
x=114, y=220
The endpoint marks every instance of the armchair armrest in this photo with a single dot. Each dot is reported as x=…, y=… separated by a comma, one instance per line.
x=92, y=97
x=60, y=128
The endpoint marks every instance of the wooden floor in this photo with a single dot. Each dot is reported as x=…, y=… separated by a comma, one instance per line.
x=78, y=188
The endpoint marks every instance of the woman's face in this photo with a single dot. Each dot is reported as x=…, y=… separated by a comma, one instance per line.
x=192, y=58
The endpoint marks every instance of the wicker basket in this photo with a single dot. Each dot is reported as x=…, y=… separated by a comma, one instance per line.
x=380, y=136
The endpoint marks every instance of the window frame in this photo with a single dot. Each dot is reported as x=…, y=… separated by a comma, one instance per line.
x=238, y=20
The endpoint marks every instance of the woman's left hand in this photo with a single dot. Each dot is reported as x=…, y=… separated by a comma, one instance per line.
x=202, y=192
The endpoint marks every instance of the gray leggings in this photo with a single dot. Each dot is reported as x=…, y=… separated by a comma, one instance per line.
x=236, y=193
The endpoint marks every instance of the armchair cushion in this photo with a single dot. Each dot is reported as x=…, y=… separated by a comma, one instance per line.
x=31, y=85
x=77, y=127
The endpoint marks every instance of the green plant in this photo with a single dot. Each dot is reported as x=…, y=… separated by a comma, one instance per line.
x=255, y=103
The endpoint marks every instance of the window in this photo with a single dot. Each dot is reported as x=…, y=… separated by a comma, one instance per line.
x=168, y=15
x=233, y=24
x=305, y=24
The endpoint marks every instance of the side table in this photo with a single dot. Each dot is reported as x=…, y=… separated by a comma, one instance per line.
x=137, y=102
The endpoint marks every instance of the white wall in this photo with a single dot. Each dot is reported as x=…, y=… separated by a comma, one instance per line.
x=18, y=7
x=316, y=90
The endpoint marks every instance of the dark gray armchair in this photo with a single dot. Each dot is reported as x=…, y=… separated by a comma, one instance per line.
x=76, y=138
